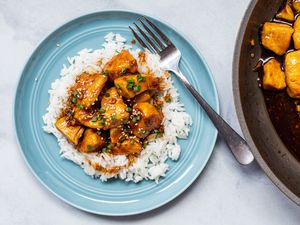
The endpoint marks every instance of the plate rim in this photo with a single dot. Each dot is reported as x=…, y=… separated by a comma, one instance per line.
x=216, y=108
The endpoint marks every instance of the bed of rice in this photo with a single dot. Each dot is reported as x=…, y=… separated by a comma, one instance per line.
x=152, y=162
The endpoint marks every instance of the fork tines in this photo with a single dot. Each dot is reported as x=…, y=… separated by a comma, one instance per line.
x=159, y=41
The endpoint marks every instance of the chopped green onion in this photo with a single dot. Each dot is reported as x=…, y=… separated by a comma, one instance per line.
x=105, y=73
x=157, y=133
x=102, y=110
x=80, y=106
x=104, y=150
x=130, y=80
x=94, y=119
x=99, y=132
x=102, y=122
x=89, y=148
x=123, y=70
x=75, y=93
x=128, y=109
x=140, y=78
x=117, y=86
x=134, y=119
x=130, y=86
x=147, y=132
x=145, y=145
x=107, y=94
x=109, y=146
x=113, y=117
x=74, y=99
x=169, y=100
x=137, y=88
x=125, y=121
x=132, y=142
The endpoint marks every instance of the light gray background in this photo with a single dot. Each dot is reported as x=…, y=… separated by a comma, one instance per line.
x=225, y=193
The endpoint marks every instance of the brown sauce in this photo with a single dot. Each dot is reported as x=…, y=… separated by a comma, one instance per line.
x=285, y=119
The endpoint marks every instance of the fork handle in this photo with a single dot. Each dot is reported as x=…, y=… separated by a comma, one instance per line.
x=236, y=143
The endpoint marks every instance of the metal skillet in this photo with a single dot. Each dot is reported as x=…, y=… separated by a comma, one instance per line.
x=272, y=155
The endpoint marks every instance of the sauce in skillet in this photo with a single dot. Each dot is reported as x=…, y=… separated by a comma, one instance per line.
x=281, y=107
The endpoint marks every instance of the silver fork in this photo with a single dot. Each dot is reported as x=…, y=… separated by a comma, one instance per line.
x=170, y=57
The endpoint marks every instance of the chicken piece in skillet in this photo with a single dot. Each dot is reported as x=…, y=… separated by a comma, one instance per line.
x=273, y=78
x=92, y=141
x=296, y=34
x=87, y=88
x=132, y=85
x=114, y=109
x=296, y=5
x=286, y=13
x=276, y=37
x=145, y=118
x=292, y=72
x=72, y=133
x=120, y=65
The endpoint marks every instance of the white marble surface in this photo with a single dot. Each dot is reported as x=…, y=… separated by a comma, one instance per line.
x=225, y=193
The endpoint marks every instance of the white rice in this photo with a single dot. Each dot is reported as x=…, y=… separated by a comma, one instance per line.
x=152, y=162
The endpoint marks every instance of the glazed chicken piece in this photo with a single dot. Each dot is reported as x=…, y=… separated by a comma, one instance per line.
x=286, y=13
x=274, y=78
x=88, y=118
x=296, y=5
x=114, y=109
x=116, y=135
x=72, y=133
x=147, y=118
x=120, y=65
x=292, y=72
x=91, y=141
x=276, y=37
x=132, y=85
x=143, y=97
x=87, y=88
x=296, y=34
x=127, y=147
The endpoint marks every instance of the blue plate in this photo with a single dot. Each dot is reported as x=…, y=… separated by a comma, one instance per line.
x=67, y=180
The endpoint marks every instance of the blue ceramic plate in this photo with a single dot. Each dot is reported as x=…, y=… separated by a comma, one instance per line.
x=67, y=180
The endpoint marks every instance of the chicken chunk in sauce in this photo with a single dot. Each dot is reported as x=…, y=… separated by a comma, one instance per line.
x=129, y=146
x=286, y=13
x=114, y=109
x=296, y=34
x=121, y=64
x=72, y=133
x=132, y=85
x=276, y=37
x=89, y=118
x=145, y=119
x=273, y=78
x=143, y=97
x=296, y=5
x=292, y=71
x=87, y=88
x=92, y=141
